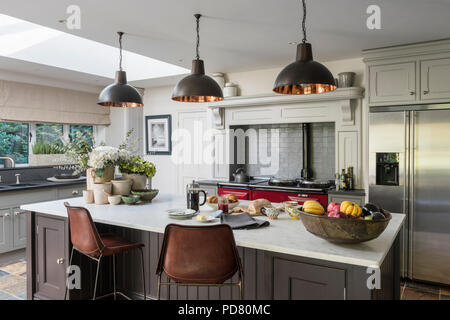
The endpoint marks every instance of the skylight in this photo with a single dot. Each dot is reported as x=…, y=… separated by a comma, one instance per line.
x=31, y=42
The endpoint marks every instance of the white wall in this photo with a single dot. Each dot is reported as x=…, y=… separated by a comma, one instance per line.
x=158, y=101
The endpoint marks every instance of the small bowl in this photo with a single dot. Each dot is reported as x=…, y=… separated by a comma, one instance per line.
x=132, y=199
x=114, y=200
x=146, y=195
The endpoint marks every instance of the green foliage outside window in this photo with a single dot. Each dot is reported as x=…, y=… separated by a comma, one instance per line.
x=14, y=140
x=87, y=132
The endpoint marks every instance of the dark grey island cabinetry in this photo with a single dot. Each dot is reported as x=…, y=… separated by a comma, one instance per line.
x=281, y=261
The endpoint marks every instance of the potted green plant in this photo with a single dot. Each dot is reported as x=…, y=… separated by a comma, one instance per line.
x=139, y=171
x=47, y=153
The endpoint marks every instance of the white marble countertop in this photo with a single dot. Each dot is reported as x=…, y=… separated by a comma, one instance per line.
x=283, y=235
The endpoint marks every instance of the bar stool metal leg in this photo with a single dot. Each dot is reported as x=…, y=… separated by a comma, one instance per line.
x=96, y=276
x=143, y=273
x=70, y=263
x=159, y=287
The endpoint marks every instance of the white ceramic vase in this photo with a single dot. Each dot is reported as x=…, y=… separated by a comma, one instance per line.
x=101, y=191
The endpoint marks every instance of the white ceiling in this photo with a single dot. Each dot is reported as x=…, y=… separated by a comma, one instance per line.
x=236, y=35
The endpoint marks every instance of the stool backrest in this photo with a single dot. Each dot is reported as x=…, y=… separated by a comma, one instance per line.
x=199, y=254
x=83, y=233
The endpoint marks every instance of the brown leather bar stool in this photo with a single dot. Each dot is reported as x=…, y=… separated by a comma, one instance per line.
x=199, y=256
x=87, y=241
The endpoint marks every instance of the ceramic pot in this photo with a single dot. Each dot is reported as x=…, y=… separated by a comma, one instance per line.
x=346, y=79
x=230, y=90
x=121, y=187
x=101, y=191
x=107, y=175
x=88, y=196
x=139, y=181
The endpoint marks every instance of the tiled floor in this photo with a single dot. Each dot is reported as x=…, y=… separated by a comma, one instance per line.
x=13, y=280
x=421, y=291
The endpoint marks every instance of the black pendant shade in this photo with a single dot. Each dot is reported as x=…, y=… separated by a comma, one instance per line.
x=304, y=76
x=120, y=94
x=197, y=87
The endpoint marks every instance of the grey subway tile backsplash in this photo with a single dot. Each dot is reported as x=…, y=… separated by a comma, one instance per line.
x=290, y=148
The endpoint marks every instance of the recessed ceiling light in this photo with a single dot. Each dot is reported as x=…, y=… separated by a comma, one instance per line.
x=292, y=43
x=23, y=40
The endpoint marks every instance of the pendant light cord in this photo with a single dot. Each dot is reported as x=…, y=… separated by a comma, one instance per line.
x=197, y=46
x=120, y=50
x=304, y=21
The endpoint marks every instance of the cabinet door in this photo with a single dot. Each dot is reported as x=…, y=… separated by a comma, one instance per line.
x=435, y=79
x=20, y=232
x=300, y=281
x=51, y=256
x=5, y=230
x=392, y=83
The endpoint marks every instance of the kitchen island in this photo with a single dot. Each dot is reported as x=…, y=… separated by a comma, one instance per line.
x=281, y=261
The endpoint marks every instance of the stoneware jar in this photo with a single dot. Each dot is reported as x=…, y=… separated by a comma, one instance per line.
x=88, y=196
x=139, y=181
x=230, y=90
x=101, y=191
x=220, y=78
x=121, y=187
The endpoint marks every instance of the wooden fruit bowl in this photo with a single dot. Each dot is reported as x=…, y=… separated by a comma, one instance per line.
x=340, y=230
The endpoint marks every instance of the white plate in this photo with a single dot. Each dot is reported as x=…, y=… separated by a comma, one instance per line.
x=181, y=212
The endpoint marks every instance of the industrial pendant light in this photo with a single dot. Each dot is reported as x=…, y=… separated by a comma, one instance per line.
x=120, y=94
x=304, y=76
x=197, y=87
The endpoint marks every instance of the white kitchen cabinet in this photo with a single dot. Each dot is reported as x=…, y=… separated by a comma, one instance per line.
x=19, y=228
x=5, y=230
x=392, y=82
x=13, y=219
x=435, y=79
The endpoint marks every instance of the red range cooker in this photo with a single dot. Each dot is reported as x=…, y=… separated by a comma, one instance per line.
x=277, y=192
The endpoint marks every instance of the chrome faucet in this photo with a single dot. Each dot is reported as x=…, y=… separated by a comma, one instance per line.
x=17, y=178
x=13, y=163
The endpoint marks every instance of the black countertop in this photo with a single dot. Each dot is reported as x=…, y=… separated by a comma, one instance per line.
x=38, y=184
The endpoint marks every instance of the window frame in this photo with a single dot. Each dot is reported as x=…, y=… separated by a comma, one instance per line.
x=32, y=139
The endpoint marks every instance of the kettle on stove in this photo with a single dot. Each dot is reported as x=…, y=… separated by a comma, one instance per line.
x=240, y=176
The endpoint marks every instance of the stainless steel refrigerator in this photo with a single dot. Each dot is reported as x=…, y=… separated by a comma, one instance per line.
x=409, y=172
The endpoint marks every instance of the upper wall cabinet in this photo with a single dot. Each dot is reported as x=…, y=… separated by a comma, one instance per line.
x=411, y=74
x=435, y=79
x=393, y=82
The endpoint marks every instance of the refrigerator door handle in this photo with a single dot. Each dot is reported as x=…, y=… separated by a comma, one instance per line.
x=412, y=168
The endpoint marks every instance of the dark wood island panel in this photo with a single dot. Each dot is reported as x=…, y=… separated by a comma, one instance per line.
x=267, y=275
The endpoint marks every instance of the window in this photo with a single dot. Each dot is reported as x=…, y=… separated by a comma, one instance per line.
x=50, y=133
x=87, y=131
x=14, y=140
x=19, y=140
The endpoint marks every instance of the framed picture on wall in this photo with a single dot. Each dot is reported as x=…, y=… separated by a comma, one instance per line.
x=158, y=134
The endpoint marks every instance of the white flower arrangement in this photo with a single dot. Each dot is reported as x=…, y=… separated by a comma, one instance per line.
x=105, y=156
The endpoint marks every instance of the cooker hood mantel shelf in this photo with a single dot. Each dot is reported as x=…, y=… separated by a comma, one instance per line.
x=343, y=96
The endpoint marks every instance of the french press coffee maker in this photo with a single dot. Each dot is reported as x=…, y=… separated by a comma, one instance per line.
x=193, y=196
